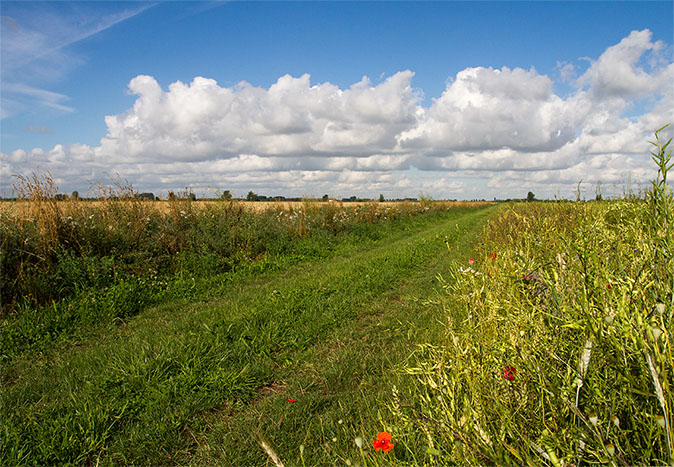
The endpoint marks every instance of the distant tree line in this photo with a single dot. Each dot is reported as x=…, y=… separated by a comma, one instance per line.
x=252, y=196
x=75, y=196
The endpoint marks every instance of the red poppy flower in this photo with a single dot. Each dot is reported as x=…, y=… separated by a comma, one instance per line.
x=509, y=373
x=292, y=400
x=609, y=286
x=383, y=442
x=471, y=261
x=493, y=256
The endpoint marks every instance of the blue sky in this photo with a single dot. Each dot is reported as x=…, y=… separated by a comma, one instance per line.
x=583, y=86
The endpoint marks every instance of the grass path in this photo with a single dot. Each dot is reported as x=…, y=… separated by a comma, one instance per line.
x=201, y=382
x=338, y=382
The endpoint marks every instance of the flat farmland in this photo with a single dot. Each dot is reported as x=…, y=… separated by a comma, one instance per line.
x=212, y=333
x=26, y=209
x=218, y=337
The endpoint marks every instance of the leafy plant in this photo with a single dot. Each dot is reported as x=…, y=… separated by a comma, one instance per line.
x=558, y=339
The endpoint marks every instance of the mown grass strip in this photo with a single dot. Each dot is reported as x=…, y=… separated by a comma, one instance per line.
x=134, y=395
x=338, y=383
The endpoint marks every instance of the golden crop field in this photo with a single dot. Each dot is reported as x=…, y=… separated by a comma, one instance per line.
x=26, y=209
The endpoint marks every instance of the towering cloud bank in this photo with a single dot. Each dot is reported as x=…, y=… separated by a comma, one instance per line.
x=507, y=127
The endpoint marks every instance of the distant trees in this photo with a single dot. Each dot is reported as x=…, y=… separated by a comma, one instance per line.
x=181, y=195
x=531, y=196
x=75, y=195
x=145, y=196
x=325, y=198
x=381, y=198
x=252, y=196
x=226, y=195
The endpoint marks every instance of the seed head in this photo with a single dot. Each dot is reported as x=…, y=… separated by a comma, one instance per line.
x=660, y=420
x=593, y=419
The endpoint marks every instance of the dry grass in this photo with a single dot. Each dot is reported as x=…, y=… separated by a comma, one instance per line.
x=24, y=209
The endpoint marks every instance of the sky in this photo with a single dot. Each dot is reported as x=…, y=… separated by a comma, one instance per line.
x=452, y=100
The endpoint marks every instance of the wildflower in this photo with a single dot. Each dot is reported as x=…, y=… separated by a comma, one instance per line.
x=609, y=286
x=493, y=256
x=610, y=449
x=471, y=261
x=383, y=442
x=359, y=442
x=292, y=400
x=616, y=421
x=509, y=372
x=594, y=419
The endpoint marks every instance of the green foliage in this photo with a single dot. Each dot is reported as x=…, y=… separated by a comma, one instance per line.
x=141, y=390
x=558, y=344
x=109, y=262
x=661, y=195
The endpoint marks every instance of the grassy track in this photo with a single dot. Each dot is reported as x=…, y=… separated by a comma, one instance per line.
x=201, y=382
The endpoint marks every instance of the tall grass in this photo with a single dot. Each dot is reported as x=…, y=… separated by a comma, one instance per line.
x=558, y=344
x=66, y=264
x=152, y=389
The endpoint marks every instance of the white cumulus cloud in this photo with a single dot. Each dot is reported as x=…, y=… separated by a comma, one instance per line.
x=486, y=108
x=492, y=132
x=203, y=121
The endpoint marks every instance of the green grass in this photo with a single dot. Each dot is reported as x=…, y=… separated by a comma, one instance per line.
x=95, y=275
x=198, y=378
x=557, y=342
x=578, y=299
